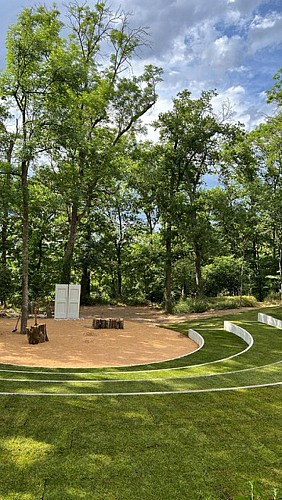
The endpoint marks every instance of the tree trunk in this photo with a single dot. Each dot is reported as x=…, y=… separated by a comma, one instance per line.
x=258, y=278
x=85, y=285
x=198, y=271
x=280, y=272
x=68, y=255
x=118, y=246
x=119, y=271
x=4, y=234
x=25, y=231
x=168, y=269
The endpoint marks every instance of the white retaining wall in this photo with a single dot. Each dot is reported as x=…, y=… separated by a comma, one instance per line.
x=241, y=332
x=269, y=320
x=193, y=335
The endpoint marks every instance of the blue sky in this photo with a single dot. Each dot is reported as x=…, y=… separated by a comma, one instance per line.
x=233, y=46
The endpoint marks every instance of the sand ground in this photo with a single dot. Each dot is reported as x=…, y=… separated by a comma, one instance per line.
x=75, y=343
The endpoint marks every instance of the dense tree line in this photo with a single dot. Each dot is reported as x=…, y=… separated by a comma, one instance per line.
x=83, y=199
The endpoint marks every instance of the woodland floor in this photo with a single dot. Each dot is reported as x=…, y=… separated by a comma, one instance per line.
x=74, y=343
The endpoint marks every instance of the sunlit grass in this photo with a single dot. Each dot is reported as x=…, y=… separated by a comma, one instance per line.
x=180, y=446
x=208, y=446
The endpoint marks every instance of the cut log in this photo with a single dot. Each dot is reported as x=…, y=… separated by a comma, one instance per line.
x=104, y=323
x=37, y=334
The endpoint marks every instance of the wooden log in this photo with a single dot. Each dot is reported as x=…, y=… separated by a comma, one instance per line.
x=120, y=324
x=37, y=334
x=105, y=323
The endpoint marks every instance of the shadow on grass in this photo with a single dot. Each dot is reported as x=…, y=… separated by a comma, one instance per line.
x=207, y=446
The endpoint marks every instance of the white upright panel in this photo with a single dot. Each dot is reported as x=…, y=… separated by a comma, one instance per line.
x=61, y=302
x=74, y=301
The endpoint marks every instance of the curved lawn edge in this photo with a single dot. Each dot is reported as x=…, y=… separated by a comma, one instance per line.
x=114, y=381
x=148, y=393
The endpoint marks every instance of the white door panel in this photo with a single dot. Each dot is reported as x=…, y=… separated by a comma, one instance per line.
x=61, y=302
x=74, y=301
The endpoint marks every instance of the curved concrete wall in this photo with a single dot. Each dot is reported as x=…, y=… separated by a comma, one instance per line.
x=193, y=335
x=269, y=320
x=241, y=332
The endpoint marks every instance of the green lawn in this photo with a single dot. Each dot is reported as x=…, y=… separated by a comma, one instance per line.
x=197, y=445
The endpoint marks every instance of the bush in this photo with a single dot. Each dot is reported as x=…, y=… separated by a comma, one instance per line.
x=190, y=305
x=228, y=302
x=273, y=298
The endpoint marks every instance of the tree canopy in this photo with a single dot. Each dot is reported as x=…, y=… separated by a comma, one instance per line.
x=84, y=198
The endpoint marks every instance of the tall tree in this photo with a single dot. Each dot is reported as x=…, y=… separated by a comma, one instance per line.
x=192, y=135
x=95, y=102
x=267, y=141
x=25, y=82
x=8, y=189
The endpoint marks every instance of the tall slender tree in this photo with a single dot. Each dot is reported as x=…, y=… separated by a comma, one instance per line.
x=25, y=83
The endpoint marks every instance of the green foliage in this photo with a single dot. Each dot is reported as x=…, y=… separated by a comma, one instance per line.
x=191, y=305
x=128, y=219
x=6, y=284
x=275, y=94
x=226, y=274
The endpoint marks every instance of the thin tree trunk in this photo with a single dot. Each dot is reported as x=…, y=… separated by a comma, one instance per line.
x=197, y=250
x=242, y=275
x=119, y=271
x=280, y=272
x=257, y=270
x=198, y=271
x=86, y=275
x=68, y=255
x=118, y=245
x=168, y=269
x=85, y=285
x=25, y=241
x=4, y=235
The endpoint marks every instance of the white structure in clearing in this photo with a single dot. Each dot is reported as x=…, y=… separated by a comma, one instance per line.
x=67, y=301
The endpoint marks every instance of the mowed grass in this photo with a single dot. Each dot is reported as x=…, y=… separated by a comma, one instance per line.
x=209, y=445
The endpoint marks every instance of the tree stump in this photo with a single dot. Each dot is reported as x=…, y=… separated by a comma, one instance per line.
x=99, y=323
x=37, y=334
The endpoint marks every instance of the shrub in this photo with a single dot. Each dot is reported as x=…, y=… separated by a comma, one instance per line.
x=191, y=305
x=228, y=302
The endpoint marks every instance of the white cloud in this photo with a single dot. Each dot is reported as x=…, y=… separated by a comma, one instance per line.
x=224, y=52
x=203, y=45
x=243, y=108
x=265, y=31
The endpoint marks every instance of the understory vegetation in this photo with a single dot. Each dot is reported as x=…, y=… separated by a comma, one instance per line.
x=191, y=305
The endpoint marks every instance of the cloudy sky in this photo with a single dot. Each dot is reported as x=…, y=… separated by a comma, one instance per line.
x=233, y=46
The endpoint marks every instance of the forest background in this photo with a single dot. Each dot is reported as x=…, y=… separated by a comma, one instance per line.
x=86, y=198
